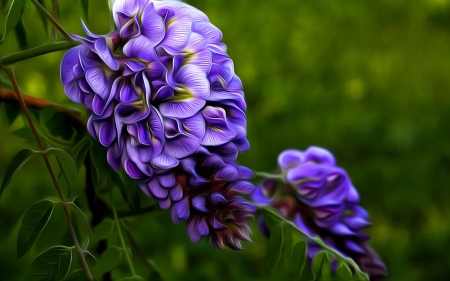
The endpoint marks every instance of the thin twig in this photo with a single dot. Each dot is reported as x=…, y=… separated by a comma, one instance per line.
x=52, y=20
x=10, y=73
x=10, y=97
x=122, y=241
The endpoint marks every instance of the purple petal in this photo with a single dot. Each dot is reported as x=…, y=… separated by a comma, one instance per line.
x=140, y=47
x=106, y=133
x=241, y=187
x=99, y=104
x=167, y=181
x=216, y=224
x=194, y=79
x=69, y=61
x=165, y=204
x=131, y=67
x=181, y=146
x=201, y=59
x=157, y=190
x=104, y=52
x=208, y=30
x=259, y=197
x=202, y=227
x=96, y=78
x=182, y=109
x=217, y=198
x=341, y=229
x=195, y=43
x=72, y=91
x=227, y=173
x=164, y=161
x=130, y=28
x=152, y=24
x=181, y=211
x=199, y=203
x=132, y=170
x=290, y=158
x=177, y=34
x=319, y=155
x=176, y=193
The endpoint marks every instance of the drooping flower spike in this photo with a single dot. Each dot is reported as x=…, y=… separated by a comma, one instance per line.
x=160, y=90
x=320, y=199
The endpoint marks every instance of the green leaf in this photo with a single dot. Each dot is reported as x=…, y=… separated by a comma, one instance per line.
x=274, y=249
x=13, y=17
x=85, y=8
x=21, y=35
x=107, y=261
x=103, y=230
x=66, y=165
x=33, y=222
x=343, y=270
x=297, y=263
x=16, y=164
x=321, y=265
x=81, y=223
x=53, y=264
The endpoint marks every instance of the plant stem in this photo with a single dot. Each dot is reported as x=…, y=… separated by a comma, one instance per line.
x=55, y=12
x=122, y=241
x=269, y=176
x=52, y=20
x=37, y=51
x=50, y=170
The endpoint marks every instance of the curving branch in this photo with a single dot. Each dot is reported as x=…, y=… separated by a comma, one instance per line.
x=10, y=97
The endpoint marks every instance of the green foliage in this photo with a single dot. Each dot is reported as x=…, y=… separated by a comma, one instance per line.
x=53, y=264
x=33, y=222
x=16, y=164
x=286, y=252
x=107, y=261
x=13, y=17
x=66, y=165
x=85, y=8
x=81, y=224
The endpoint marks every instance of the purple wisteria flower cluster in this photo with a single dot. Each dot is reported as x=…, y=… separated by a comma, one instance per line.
x=320, y=199
x=163, y=97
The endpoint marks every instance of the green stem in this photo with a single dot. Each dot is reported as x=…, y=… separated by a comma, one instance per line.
x=37, y=51
x=50, y=170
x=122, y=241
x=52, y=20
x=269, y=175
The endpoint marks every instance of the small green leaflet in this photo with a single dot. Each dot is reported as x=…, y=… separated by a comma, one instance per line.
x=53, y=264
x=13, y=17
x=66, y=165
x=16, y=164
x=33, y=222
x=81, y=224
x=107, y=261
x=85, y=7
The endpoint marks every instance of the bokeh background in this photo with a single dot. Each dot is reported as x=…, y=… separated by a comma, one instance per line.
x=369, y=80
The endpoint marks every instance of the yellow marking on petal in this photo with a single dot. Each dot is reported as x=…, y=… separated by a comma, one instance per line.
x=216, y=129
x=222, y=81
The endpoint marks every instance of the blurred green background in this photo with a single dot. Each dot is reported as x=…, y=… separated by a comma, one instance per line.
x=369, y=80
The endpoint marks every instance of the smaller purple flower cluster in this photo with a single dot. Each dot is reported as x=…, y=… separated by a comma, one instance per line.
x=320, y=199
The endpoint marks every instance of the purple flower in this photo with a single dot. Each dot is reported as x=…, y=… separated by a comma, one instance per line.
x=320, y=199
x=160, y=90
